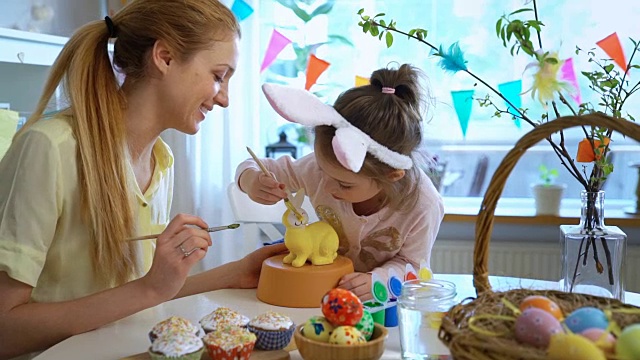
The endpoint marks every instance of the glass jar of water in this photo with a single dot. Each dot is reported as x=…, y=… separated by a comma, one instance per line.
x=421, y=307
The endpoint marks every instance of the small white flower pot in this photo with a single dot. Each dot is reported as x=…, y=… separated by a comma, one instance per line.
x=548, y=198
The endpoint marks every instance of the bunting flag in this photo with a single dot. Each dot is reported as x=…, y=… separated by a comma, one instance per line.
x=462, y=102
x=276, y=44
x=512, y=90
x=611, y=45
x=568, y=74
x=315, y=68
x=361, y=81
x=241, y=9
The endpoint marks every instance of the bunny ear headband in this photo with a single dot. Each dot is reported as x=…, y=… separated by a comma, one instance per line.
x=350, y=144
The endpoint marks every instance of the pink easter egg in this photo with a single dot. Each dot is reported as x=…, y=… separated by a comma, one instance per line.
x=536, y=326
x=605, y=343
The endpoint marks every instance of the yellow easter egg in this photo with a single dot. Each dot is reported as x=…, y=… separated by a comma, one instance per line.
x=572, y=347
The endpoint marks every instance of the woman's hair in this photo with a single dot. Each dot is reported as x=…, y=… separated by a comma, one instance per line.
x=393, y=120
x=96, y=106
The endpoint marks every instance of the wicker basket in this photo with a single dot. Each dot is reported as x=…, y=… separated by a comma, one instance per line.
x=467, y=344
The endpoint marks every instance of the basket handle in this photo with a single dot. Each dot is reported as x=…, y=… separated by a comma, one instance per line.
x=484, y=222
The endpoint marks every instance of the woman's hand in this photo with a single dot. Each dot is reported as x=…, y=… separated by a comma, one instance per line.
x=248, y=268
x=180, y=246
x=261, y=188
x=357, y=283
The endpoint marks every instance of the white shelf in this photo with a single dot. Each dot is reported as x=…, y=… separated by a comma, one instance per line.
x=22, y=47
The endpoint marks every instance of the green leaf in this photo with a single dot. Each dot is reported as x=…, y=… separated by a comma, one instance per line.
x=608, y=68
x=412, y=32
x=389, y=38
x=360, y=11
x=380, y=14
x=366, y=27
x=374, y=30
x=382, y=22
x=520, y=11
x=323, y=9
x=498, y=27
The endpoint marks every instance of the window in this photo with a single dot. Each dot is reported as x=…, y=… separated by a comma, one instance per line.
x=472, y=23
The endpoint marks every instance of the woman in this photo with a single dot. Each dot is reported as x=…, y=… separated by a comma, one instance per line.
x=75, y=186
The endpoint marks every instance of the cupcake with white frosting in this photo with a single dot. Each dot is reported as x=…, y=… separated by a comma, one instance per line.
x=229, y=342
x=172, y=324
x=222, y=317
x=273, y=330
x=177, y=345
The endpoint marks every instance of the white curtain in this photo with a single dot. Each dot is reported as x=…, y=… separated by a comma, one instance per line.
x=205, y=163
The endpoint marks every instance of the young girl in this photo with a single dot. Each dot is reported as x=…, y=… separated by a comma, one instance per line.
x=362, y=178
x=75, y=186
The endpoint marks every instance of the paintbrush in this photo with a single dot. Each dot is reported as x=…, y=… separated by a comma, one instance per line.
x=211, y=229
x=287, y=203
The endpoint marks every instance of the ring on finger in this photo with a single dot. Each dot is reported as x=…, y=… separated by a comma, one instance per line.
x=185, y=252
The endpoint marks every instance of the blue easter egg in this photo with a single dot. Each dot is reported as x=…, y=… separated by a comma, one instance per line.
x=585, y=318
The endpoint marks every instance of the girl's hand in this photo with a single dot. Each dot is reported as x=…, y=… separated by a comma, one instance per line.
x=357, y=283
x=261, y=188
x=180, y=246
x=248, y=268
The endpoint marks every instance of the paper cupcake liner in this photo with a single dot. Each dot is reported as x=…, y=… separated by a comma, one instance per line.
x=241, y=352
x=274, y=339
x=206, y=331
x=191, y=356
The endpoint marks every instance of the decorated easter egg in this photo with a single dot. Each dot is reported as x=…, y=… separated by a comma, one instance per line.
x=341, y=307
x=603, y=339
x=346, y=335
x=565, y=346
x=628, y=344
x=317, y=328
x=365, y=325
x=543, y=303
x=535, y=327
x=585, y=318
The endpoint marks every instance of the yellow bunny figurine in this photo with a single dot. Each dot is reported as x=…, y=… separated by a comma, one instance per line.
x=317, y=242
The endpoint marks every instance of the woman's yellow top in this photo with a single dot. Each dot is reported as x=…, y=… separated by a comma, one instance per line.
x=44, y=242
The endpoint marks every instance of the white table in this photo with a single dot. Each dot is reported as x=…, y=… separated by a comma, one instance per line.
x=129, y=336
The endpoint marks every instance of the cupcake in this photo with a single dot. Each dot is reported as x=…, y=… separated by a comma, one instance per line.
x=229, y=342
x=172, y=324
x=273, y=330
x=177, y=345
x=222, y=317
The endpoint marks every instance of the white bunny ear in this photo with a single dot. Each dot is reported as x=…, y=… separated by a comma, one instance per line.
x=298, y=198
x=300, y=106
x=350, y=148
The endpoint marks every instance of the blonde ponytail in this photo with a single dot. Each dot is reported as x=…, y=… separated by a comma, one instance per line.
x=95, y=111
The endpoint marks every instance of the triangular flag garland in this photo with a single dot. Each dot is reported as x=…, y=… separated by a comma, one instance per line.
x=611, y=45
x=241, y=9
x=276, y=44
x=462, y=102
x=512, y=90
x=315, y=68
x=568, y=74
x=361, y=81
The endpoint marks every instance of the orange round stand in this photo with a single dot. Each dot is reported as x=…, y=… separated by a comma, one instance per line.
x=284, y=285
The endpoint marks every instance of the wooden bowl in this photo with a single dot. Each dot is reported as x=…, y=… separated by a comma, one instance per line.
x=317, y=350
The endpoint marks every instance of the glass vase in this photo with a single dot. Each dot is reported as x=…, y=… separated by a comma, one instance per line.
x=593, y=255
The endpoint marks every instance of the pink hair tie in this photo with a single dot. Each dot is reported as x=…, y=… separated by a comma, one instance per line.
x=388, y=90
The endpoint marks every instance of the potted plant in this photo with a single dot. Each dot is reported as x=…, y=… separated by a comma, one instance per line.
x=547, y=195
